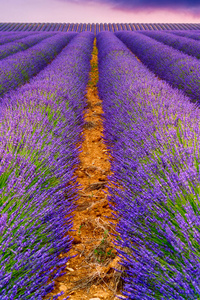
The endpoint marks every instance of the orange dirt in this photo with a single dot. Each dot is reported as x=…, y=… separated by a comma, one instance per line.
x=90, y=274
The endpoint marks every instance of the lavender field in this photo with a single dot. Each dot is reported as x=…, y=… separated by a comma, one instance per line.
x=95, y=27
x=150, y=90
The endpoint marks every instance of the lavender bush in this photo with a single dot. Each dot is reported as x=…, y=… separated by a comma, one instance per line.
x=40, y=126
x=192, y=34
x=184, y=44
x=20, y=67
x=22, y=44
x=152, y=132
x=178, y=69
x=12, y=36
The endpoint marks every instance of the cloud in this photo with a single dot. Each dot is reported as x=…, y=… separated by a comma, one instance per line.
x=192, y=6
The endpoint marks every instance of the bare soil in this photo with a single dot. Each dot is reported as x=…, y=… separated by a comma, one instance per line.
x=91, y=273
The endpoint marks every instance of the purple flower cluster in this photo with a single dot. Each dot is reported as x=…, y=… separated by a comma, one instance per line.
x=20, y=67
x=153, y=135
x=3, y=219
x=184, y=44
x=40, y=127
x=178, y=69
x=22, y=44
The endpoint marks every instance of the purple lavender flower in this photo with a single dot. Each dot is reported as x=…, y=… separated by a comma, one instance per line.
x=22, y=44
x=184, y=44
x=3, y=219
x=40, y=127
x=20, y=67
x=153, y=139
x=178, y=69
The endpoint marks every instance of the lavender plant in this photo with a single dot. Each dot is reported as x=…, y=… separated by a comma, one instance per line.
x=40, y=126
x=178, y=69
x=20, y=67
x=184, y=44
x=152, y=131
x=192, y=34
x=22, y=44
x=12, y=36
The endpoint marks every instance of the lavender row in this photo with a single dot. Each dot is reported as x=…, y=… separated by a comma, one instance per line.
x=184, y=44
x=40, y=127
x=178, y=69
x=13, y=36
x=22, y=44
x=20, y=67
x=95, y=27
x=152, y=132
x=189, y=34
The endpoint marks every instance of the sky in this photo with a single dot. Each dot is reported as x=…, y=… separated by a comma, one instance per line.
x=100, y=11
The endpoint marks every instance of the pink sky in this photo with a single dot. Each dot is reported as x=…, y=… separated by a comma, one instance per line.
x=85, y=12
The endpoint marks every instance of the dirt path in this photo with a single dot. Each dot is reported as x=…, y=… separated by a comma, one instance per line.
x=90, y=274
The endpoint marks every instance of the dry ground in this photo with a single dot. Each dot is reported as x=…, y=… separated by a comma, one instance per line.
x=90, y=274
